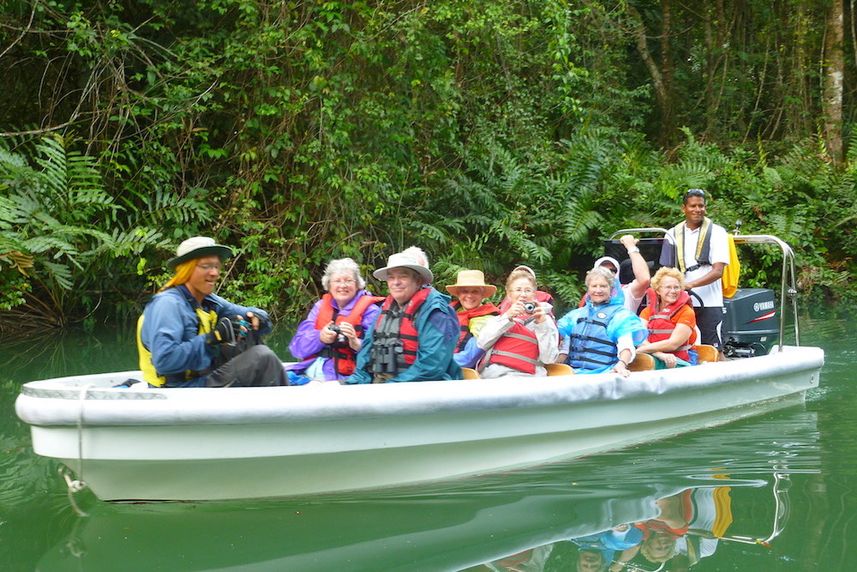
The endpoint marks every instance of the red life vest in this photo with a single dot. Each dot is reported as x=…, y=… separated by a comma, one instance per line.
x=407, y=332
x=518, y=349
x=344, y=358
x=464, y=317
x=661, y=325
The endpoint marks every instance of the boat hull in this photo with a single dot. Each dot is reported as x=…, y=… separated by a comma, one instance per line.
x=213, y=444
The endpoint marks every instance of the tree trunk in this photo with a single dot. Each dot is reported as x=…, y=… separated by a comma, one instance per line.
x=834, y=71
x=667, y=71
x=662, y=96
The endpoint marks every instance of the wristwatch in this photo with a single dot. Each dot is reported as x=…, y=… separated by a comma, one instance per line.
x=633, y=250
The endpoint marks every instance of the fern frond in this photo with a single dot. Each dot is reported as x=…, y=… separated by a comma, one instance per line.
x=60, y=273
x=43, y=244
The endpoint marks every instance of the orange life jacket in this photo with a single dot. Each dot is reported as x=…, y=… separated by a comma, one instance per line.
x=661, y=323
x=464, y=317
x=344, y=358
x=518, y=349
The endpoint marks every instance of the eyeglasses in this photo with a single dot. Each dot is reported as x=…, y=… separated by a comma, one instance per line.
x=210, y=267
x=693, y=193
x=345, y=281
x=522, y=290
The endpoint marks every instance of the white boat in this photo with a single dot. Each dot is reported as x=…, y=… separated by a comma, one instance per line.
x=213, y=444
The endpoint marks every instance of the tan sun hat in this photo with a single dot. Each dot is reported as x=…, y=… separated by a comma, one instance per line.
x=198, y=247
x=471, y=279
x=413, y=258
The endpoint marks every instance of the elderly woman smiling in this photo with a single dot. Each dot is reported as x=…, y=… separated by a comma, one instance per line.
x=670, y=319
x=603, y=332
x=331, y=335
x=471, y=290
x=524, y=337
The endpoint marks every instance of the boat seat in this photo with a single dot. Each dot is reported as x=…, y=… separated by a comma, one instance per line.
x=469, y=373
x=642, y=362
x=558, y=369
x=706, y=353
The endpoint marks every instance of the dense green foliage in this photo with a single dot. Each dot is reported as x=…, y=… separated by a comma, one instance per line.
x=490, y=133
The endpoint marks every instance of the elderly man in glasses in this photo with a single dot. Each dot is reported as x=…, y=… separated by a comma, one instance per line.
x=700, y=249
x=188, y=336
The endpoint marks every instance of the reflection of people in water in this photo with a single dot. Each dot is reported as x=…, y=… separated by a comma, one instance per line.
x=660, y=534
x=685, y=530
x=531, y=560
x=589, y=560
x=607, y=543
x=659, y=546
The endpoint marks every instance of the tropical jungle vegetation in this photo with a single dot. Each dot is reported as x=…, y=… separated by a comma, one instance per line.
x=489, y=132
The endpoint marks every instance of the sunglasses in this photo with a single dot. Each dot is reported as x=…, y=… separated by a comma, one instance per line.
x=693, y=193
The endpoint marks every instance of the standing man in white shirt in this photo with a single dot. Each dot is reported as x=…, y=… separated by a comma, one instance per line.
x=700, y=249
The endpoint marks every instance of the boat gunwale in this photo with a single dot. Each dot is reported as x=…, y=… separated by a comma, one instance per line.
x=180, y=406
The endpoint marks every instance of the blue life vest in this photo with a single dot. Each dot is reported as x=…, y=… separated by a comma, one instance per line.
x=590, y=347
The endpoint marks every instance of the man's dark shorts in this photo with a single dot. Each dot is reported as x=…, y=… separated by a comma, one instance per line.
x=708, y=321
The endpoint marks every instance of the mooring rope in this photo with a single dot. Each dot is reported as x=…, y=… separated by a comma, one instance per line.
x=76, y=485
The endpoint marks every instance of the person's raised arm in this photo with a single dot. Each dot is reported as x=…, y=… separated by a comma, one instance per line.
x=642, y=276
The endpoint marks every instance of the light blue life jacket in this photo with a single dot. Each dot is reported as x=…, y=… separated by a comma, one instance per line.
x=590, y=347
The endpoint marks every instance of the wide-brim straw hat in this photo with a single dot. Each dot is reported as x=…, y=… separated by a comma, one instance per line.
x=412, y=258
x=471, y=279
x=198, y=247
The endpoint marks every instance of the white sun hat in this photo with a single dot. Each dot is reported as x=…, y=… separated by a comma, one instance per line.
x=198, y=247
x=413, y=258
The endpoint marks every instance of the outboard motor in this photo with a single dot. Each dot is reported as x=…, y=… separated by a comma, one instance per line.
x=751, y=324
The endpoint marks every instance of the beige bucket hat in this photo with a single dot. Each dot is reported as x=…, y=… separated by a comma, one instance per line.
x=471, y=279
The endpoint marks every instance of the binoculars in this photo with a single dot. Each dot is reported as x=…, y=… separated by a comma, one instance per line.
x=385, y=358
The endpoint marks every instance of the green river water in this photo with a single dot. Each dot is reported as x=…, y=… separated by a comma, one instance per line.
x=778, y=489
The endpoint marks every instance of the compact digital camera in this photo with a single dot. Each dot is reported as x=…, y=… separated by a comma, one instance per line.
x=340, y=337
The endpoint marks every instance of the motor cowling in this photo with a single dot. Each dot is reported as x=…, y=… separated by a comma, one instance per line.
x=751, y=323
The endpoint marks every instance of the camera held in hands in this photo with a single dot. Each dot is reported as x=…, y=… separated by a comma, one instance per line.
x=340, y=337
x=530, y=307
x=241, y=326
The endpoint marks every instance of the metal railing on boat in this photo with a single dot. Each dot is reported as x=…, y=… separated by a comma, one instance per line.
x=788, y=282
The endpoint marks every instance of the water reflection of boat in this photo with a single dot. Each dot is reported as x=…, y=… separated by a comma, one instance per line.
x=444, y=527
x=214, y=444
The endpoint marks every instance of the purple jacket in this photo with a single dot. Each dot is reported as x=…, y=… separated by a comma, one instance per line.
x=306, y=342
